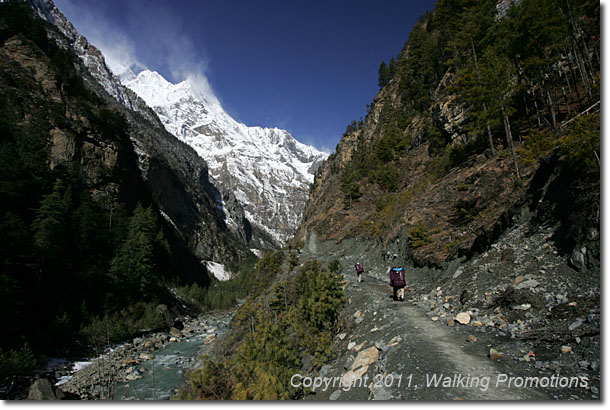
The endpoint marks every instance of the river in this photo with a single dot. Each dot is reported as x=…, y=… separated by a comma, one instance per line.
x=131, y=372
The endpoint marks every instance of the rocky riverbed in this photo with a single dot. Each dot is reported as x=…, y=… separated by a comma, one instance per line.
x=148, y=367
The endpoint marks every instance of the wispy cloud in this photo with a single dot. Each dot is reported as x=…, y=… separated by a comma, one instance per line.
x=166, y=39
x=147, y=37
x=118, y=49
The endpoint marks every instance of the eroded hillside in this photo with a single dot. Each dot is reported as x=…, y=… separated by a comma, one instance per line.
x=464, y=133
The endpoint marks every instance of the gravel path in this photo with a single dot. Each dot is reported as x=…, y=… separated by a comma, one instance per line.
x=395, y=351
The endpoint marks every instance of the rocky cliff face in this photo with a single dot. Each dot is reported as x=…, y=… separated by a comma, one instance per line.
x=411, y=174
x=451, y=213
x=175, y=175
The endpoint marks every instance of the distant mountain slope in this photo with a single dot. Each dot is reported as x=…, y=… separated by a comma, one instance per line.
x=266, y=168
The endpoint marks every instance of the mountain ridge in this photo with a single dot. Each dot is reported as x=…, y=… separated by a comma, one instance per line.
x=267, y=169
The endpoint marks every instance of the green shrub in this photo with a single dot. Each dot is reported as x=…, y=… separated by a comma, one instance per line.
x=419, y=235
x=387, y=177
x=16, y=362
x=536, y=145
x=210, y=382
x=335, y=266
x=581, y=144
x=271, y=339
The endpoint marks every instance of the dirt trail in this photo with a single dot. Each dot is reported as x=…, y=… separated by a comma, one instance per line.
x=408, y=356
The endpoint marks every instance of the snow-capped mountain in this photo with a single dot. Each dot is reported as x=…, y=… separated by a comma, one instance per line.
x=267, y=169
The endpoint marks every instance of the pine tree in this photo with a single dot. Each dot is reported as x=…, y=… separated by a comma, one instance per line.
x=393, y=68
x=51, y=221
x=383, y=75
x=136, y=262
x=497, y=88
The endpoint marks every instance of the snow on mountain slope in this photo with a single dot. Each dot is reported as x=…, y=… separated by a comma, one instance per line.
x=266, y=168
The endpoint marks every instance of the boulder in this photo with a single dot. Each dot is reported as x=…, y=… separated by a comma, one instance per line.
x=360, y=366
x=463, y=318
x=146, y=356
x=366, y=357
x=163, y=311
x=41, y=389
x=578, y=259
x=528, y=284
x=576, y=324
x=494, y=354
x=178, y=324
x=360, y=346
x=175, y=332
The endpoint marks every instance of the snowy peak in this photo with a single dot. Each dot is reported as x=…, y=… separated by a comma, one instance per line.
x=267, y=169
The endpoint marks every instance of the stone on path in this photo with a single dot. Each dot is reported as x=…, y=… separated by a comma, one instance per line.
x=494, y=354
x=463, y=318
x=360, y=366
x=528, y=284
x=395, y=340
x=366, y=357
x=335, y=395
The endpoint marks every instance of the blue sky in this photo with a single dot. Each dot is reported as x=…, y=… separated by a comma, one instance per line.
x=306, y=66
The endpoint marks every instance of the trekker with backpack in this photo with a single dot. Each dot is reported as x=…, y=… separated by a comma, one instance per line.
x=359, y=271
x=398, y=282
